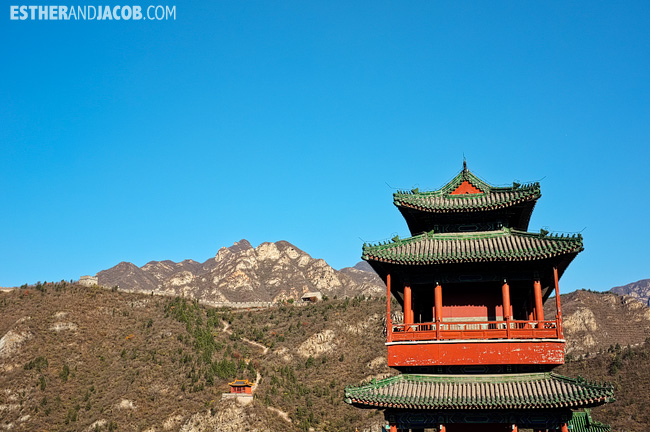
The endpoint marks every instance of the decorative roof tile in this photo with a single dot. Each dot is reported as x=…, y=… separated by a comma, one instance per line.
x=485, y=246
x=582, y=422
x=512, y=391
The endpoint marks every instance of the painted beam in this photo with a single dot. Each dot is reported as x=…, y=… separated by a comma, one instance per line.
x=449, y=353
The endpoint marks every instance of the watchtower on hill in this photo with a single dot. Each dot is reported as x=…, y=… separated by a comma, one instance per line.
x=474, y=349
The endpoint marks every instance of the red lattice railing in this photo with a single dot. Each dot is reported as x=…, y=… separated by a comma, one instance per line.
x=511, y=329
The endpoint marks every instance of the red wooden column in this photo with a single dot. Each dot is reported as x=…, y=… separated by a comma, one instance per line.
x=438, y=308
x=564, y=427
x=393, y=428
x=557, y=304
x=389, y=321
x=514, y=428
x=539, y=304
x=507, y=309
x=505, y=293
x=531, y=302
x=442, y=428
x=408, y=308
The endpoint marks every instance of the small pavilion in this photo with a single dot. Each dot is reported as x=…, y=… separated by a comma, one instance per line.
x=241, y=387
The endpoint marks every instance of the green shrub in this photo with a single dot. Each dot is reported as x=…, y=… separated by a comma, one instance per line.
x=65, y=372
x=38, y=363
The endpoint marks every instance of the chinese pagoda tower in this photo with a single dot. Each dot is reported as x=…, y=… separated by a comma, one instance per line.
x=473, y=346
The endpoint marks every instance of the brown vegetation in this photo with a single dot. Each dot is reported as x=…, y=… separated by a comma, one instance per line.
x=628, y=369
x=102, y=360
x=77, y=358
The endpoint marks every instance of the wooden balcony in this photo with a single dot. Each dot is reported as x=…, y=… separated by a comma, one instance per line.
x=510, y=329
x=475, y=343
x=451, y=340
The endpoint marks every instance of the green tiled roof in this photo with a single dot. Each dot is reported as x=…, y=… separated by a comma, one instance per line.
x=486, y=246
x=582, y=422
x=240, y=382
x=490, y=198
x=454, y=392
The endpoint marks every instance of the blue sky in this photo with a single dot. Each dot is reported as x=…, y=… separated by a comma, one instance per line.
x=296, y=120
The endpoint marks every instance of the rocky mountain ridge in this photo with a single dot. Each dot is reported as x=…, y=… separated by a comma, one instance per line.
x=639, y=289
x=270, y=272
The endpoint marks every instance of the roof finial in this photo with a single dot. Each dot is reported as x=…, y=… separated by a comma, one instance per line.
x=464, y=163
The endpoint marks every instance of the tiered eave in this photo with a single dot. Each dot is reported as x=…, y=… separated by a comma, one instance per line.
x=441, y=202
x=480, y=392
x=486, y=246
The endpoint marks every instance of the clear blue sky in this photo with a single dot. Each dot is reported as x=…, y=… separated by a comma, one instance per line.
x=294, y=120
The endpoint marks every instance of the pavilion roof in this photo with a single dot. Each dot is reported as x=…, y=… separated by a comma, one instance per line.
x=240, y=383
x=485, y=246
x=509, y=391
x=487, y=198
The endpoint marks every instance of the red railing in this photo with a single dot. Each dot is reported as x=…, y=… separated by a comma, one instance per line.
x=510, y=329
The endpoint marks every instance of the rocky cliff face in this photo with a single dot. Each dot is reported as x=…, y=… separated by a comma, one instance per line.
x=364, y=275
x=593, y=321
x=639, y=290
x=269, y=272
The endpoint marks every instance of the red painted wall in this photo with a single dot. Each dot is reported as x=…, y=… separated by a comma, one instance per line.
x=459, y=302
x=482, y=303
x=240, y=389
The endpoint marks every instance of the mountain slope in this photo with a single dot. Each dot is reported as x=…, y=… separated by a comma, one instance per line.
x=74, y=358
x=628, y=368
x=86, y=359
x=593, y=321
x=639, y=289
x=363, y=275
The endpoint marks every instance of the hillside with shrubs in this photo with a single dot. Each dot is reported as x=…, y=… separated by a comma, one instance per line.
x=76, y=358
x=91, y=359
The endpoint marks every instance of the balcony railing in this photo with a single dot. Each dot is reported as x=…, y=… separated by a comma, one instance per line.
x=510, y=329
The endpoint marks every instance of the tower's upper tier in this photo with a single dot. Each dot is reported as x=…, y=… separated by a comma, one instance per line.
x=467, y=203
x=475, y=256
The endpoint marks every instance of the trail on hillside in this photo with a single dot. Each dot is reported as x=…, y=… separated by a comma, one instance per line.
x=281, y=413
x=226, y=329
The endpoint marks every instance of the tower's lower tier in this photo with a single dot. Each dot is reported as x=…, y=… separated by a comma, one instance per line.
x=476, y=352
x=484, y=402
